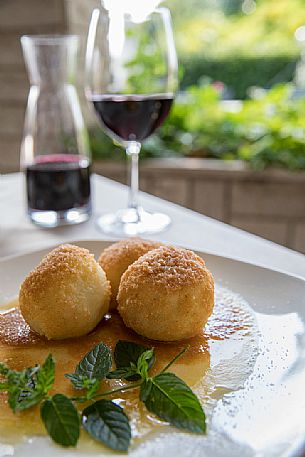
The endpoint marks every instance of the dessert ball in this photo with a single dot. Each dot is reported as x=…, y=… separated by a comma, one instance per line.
x=116, y=259
x=167, y=294
x=66, y=295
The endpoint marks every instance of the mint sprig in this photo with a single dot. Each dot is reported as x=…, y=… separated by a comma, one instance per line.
x=93, y=367
x=28, y=387
x=61, y=420
x=173, y=401
x=126, y=356
x=106, y=422
x=164, y=394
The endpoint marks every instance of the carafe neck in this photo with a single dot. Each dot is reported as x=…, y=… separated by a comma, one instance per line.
x=50, y=60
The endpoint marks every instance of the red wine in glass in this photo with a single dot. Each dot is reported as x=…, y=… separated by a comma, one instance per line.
x=58, y=183
x=132, y=117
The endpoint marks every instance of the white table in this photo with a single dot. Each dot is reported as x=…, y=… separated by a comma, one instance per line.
x=188, y=228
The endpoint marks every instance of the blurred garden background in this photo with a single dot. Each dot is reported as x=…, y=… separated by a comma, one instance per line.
x=233, y=147
x=242, y=85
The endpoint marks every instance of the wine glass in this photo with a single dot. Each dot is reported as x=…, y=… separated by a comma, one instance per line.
x=131, y=79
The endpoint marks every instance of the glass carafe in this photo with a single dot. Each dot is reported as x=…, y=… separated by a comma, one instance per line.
x=55, y=153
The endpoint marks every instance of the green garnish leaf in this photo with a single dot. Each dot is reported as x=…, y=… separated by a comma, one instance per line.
x=173, y=401
x=127, y=352
x=94, y=367
x=4, y=369
x=143, y=363
x=126, y=356
x=46, y=375
x=21, y=399
x=61, y=420
x=81, y=382
x=78, y=381
x=106, y=422
x=28, y=387
x=145, y=389
x=122, y=373
x=21, y=388
x=95, y=364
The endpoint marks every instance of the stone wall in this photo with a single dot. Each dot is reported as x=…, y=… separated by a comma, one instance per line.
x=270, y=204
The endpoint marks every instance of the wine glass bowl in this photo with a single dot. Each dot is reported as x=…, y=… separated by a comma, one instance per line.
x=131, y=80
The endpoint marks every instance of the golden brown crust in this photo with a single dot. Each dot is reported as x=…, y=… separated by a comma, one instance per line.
x=55, y=268
x=116, y=258
x=168, y=267
x=66, y=295
x=129, y=249
x=167, y=294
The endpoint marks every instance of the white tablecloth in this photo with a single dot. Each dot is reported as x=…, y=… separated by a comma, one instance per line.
x=188, y=228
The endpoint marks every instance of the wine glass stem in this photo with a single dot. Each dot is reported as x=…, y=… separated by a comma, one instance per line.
x=132, y=151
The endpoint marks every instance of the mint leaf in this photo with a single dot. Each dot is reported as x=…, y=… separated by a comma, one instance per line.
x=24, y=399
x=4, y=369
x=122, y=373
x=95, y=364
x=61, y=420
x=81, y=382
x=94, y=367
x=127, y=354
x=28, y=387
x=143, y=363
x=46, y=375
x=172, y=400
x=106, y=422
x=77, y=380
x=22, y=391
x=145, y=389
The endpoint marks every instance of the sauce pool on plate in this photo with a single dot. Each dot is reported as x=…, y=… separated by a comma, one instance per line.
x=229, y=335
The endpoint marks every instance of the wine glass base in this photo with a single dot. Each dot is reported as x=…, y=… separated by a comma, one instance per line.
x=132, y=222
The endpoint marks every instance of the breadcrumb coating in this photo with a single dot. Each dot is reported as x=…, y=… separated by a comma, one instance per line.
x=167, y=294
x=66, y=295
x=116, y=259
x=168, y=266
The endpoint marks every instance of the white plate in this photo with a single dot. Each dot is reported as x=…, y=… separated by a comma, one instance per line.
x=262, y=417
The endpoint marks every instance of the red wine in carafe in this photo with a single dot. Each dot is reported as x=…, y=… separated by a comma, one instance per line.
x=58, y=183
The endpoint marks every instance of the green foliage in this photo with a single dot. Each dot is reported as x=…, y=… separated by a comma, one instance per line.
x=240, y=49
x=266, y=131
x=147, y=70
x=238, y=72
x=269, y=30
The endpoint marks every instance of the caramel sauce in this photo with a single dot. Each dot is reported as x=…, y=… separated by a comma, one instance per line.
x=20, y=347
